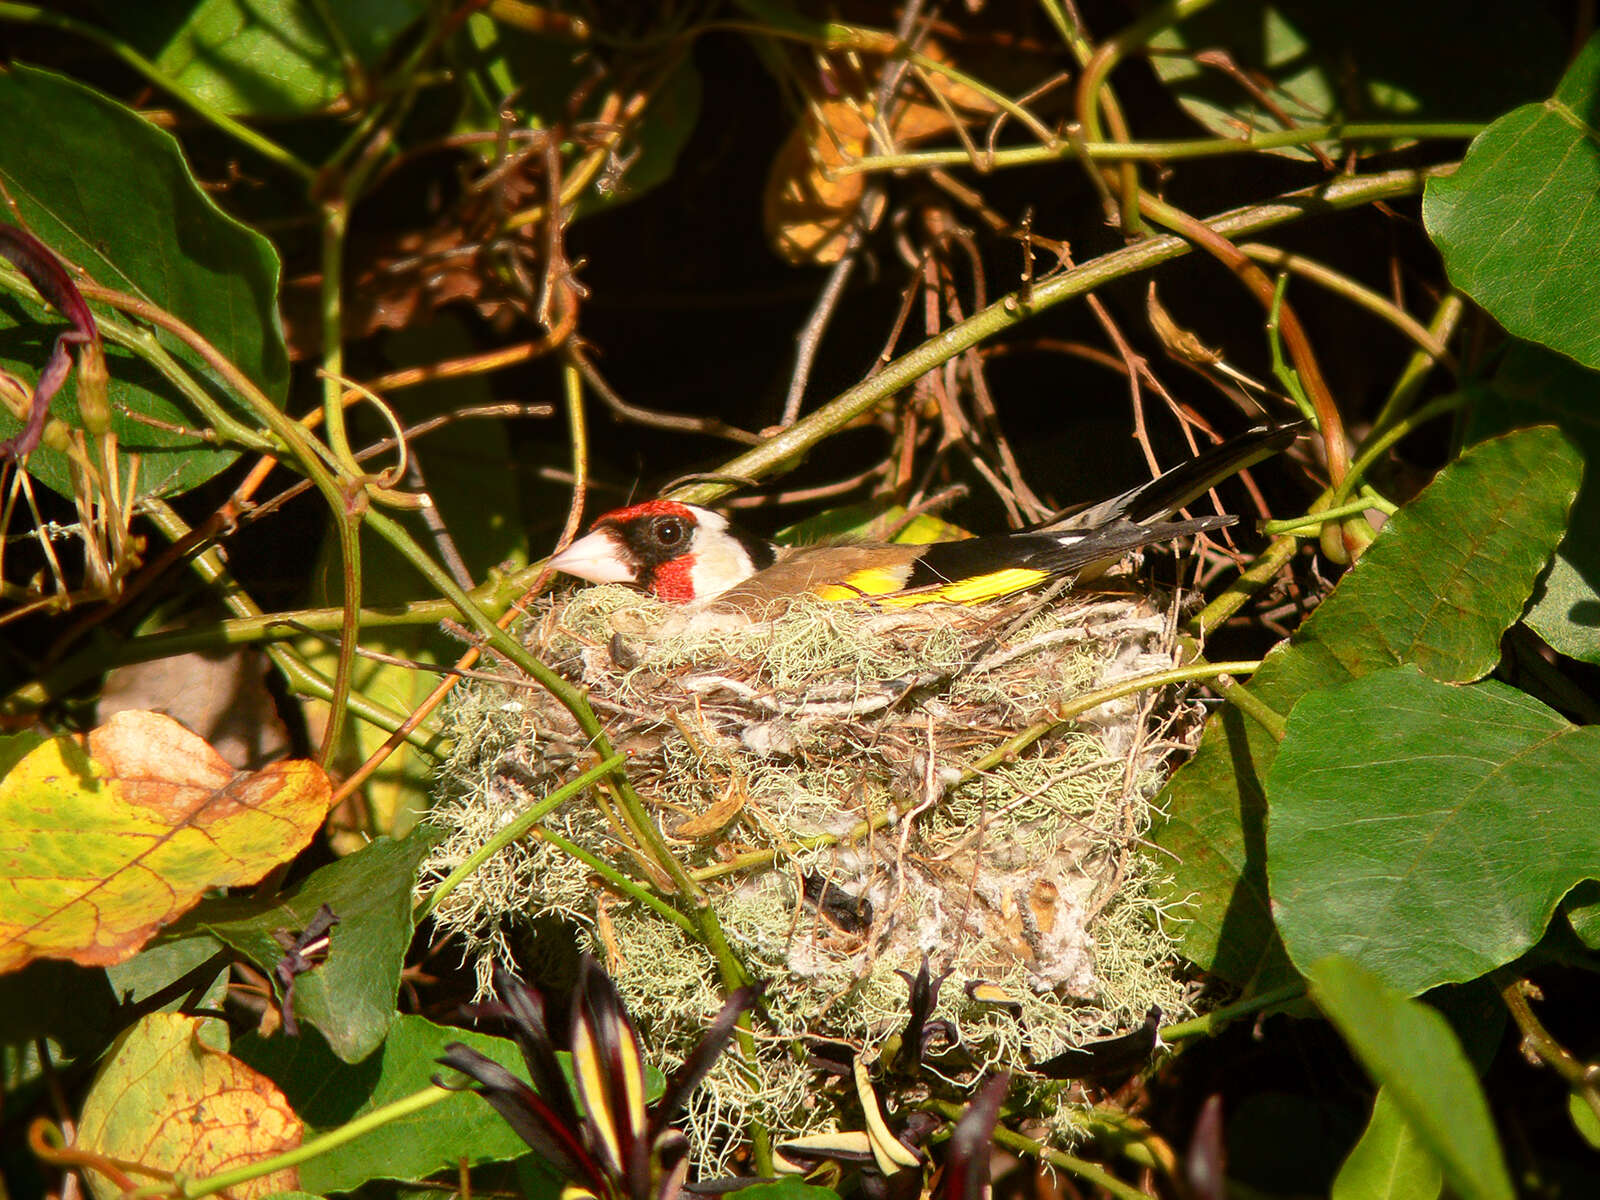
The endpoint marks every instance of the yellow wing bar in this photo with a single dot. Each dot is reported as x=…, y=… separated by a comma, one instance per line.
x=883, y=588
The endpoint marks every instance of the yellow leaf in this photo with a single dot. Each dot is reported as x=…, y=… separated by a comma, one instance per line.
x=167, y=1101
x=103, y=844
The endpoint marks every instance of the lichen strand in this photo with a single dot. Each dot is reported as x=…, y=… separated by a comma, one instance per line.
x=781, y=745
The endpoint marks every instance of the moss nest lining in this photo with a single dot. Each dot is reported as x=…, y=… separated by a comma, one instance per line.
x=824, y=771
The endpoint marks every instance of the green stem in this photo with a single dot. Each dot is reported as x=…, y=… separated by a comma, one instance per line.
x=1213, y=1021
x=28, y=14
x=1187, y=148
x=346, y=1133
x=793, y=442
x=301, y=677
x=1089, y=1172
x=1441, y=328
x=1314, y=521
x=628, y=887
x=1358, y=294
x=1092, y=83
x=514, y=831
x=1375, y=447
x=335, y=219
x=148, y=347
x=1285, y=374
x=1257, y=710
x=999, y=99
x=1583, y=1078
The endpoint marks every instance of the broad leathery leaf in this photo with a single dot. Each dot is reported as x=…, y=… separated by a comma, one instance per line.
x=110, y=193
x=1440, y=585
x=1409, y=1050
x=266, y=58
x=1424, y=831
x=103, y=843
x=168, y=1099
x=1534, y=385
x=351, y=996
x=1389, y=1162
x=1518, y=225
x=328, y=1093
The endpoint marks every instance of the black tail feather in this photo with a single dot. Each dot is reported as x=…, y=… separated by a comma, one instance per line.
x=1184, y=483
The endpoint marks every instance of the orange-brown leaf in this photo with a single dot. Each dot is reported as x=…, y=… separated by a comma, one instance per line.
x=101, y=844
x=170, y=1103
x=809, y=208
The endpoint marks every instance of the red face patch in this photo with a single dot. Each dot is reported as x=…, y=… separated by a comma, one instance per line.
x=673, y=581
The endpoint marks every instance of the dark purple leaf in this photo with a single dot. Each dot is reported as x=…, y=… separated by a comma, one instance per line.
x=526, y=1009
x=1207, y=1164
x=302, y=952
x=1110, y=1060
x=914, y=1039
x=529, y=1116
x=700, y=1060
x=35, y=260
x=966, y=1164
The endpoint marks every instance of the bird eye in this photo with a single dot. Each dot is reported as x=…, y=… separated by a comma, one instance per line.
x=669, y=531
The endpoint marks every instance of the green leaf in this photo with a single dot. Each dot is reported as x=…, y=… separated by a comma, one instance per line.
x=1408, y=1050
x=351, y=996
x=784, y=1189
x=1448, y=575
x=1360, y=60
x=1584, y=1120
x=1582, y=909
x=1533, y=386
x=328, y=1093
x=1389, y=1162
x=1424, y=831
x=1518, y=224
x=265, y=58
x=111, y=194
x=164, y=962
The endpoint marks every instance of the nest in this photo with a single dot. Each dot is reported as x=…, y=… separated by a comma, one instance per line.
x=858, y=789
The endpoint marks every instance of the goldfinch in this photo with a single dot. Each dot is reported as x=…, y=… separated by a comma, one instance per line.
x=686, y=554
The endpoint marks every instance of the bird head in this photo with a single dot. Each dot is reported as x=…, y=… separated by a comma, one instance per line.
x=680, y=553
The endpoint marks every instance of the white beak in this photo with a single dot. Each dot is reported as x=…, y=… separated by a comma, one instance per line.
x=595, y=557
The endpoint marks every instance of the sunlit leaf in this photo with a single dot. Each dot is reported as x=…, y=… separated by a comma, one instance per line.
x=110, y=193
x=1517, y=224
x=1409, y=1050
x=1427, y=832
x=1533, y=385
x=270, y=58
x=103, y=843
x=1388, y=1163
x=328, y=1093
x=350, y=996
x=169, y=1099
x=1438, y=588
